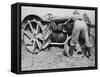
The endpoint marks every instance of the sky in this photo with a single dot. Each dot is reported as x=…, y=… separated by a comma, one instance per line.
x=57, y=12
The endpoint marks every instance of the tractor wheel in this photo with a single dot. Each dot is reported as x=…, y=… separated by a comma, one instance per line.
x=32, y=36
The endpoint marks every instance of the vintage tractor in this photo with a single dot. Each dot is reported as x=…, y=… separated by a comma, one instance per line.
x=40, y=32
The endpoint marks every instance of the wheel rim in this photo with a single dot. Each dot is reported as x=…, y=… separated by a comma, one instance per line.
x=32, y=36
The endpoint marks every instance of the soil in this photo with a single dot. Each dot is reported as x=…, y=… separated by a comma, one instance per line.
x=54, y=59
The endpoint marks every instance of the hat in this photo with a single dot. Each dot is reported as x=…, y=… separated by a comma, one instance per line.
x=76, y=12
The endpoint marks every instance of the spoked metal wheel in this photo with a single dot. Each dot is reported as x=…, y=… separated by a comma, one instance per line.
x=32, y=36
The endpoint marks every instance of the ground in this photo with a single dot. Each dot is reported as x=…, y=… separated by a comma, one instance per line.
x=54, y=59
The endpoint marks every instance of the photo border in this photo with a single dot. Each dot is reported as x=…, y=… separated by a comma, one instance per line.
x=55, y=6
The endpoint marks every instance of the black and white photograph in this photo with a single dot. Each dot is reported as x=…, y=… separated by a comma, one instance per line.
x=56, y=38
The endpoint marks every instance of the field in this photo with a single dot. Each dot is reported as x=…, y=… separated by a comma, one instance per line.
x=54, y=59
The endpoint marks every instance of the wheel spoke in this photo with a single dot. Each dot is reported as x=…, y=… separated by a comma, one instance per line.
x=37, y=27
x=33, y=30
x=28, y=34
x=34, y=46
x=45, y=44
x=39, y=44
x=29, y=44
x=27, y=40
x=40, y=36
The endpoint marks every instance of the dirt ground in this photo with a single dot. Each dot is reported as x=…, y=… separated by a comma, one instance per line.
x=54, y=59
